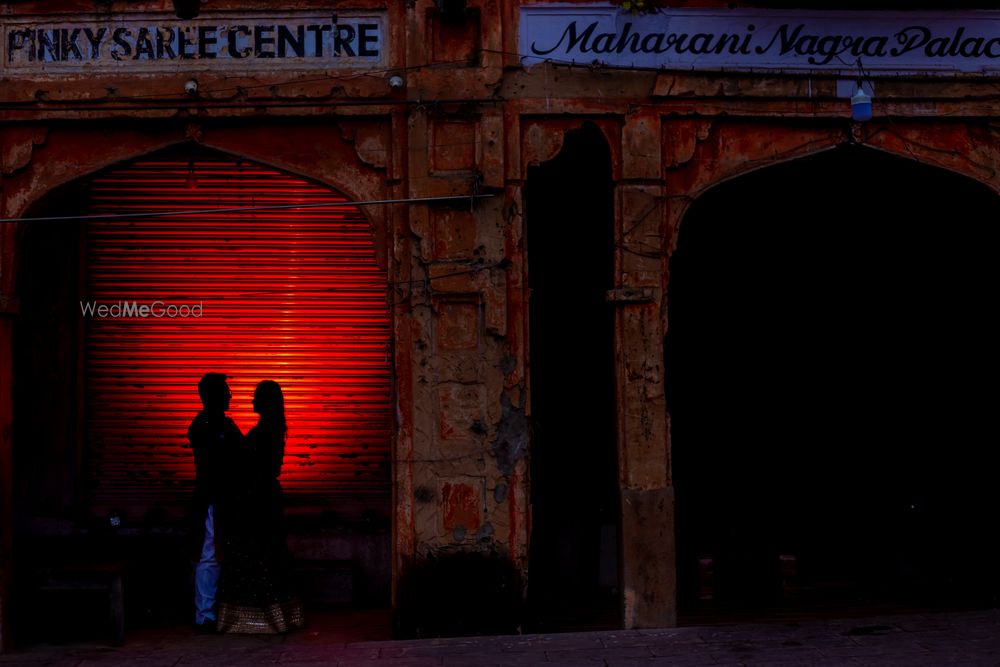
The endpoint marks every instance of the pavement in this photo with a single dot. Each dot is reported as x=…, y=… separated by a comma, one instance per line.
x=361, y=639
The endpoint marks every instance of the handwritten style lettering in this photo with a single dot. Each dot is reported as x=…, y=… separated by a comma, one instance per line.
x=586, y=41
x=835, y=40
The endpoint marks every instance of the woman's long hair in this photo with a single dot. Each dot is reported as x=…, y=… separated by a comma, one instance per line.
x=269, y=403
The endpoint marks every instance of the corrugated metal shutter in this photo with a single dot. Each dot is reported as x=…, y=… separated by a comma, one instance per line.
x=294, y=296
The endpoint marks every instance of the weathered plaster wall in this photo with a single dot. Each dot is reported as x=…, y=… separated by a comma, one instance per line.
x=471, y=120
x=459, y=468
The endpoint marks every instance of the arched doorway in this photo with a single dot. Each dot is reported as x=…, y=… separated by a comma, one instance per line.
x=127, y=304
x=574, y=464
x=829, y=354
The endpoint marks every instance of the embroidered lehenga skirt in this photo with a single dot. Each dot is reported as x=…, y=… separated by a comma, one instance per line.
x=255, y=591
x=255, y=595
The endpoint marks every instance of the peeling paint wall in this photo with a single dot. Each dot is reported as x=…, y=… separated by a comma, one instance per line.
x=470, y=120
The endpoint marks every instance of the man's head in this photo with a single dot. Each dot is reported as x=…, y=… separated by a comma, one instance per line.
x=214, y=392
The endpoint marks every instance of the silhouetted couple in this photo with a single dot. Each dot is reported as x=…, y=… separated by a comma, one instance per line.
x=242, y=576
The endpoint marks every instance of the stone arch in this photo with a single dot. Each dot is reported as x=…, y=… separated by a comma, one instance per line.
x=853, y=326
x=701, y=154
x=542, y=139
x=51, y=158
x=969, y=149
x=54, y=162
x=320, y=153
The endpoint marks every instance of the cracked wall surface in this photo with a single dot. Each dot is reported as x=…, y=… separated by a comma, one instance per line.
x=469, y=122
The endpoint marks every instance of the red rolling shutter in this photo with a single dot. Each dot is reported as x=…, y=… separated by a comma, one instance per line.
x=290, y=295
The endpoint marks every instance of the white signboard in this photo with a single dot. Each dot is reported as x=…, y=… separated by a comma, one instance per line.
x=760, y=39
x=163, y=43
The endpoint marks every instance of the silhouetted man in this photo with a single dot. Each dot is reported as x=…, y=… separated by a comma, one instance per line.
x=215, y=439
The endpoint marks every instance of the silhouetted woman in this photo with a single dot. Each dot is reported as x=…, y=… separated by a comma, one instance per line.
x=255, y=593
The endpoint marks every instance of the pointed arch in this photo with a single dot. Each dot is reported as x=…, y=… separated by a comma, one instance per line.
x=297, y=296
x=824, y=314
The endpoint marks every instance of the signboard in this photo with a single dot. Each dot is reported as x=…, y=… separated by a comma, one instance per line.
x=760, y=39
x=143, y=43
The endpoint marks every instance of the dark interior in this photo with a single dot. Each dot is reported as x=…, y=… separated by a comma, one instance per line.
x=831, y=361
x=574, y=468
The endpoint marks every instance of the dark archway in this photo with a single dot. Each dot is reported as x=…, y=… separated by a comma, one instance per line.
x=102, y=403
x=830, y=356
x=574, y=465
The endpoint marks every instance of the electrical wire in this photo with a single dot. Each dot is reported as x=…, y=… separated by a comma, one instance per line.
x=248, y=209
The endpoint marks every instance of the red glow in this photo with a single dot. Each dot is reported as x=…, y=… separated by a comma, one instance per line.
x=292, y=296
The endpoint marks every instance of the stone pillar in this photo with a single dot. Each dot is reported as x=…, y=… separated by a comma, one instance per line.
x=460, y=468
x=648, y=553
x=648, y=567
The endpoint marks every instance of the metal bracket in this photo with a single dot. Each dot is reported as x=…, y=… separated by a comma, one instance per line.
x=631, y=295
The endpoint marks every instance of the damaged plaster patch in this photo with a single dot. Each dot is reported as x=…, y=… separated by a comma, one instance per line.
x=485, y=532
x=512, y=436
x=508, y=365
x=500, y=493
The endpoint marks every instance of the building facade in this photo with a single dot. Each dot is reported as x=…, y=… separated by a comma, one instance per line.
x=450, y=229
